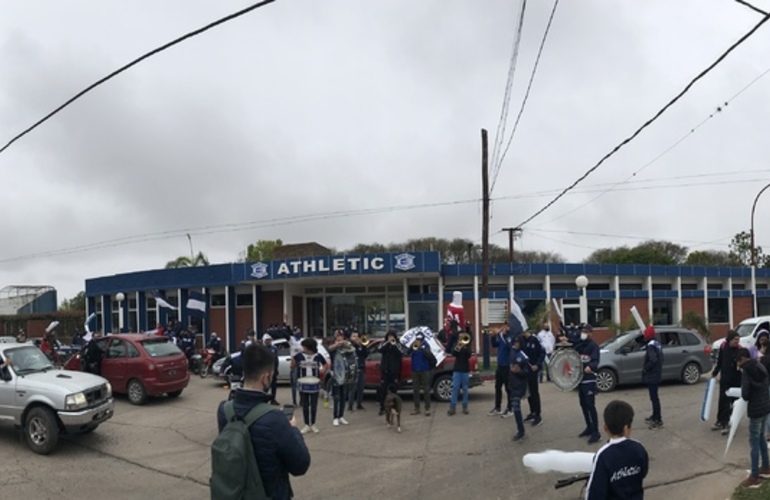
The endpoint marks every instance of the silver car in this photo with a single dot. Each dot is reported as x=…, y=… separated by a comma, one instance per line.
x=685, y=356
x=284, y=360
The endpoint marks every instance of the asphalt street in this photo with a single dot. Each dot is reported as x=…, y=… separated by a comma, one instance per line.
x=161, y=450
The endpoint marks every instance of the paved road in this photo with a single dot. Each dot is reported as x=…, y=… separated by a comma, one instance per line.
x=161, y=450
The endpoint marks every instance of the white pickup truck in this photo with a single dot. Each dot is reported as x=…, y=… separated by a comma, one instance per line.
x=44, y=402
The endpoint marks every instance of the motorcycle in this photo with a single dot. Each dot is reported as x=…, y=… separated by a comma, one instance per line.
x=196, y=363
x=209, y=358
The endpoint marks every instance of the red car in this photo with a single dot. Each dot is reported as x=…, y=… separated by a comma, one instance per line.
x=140, y=366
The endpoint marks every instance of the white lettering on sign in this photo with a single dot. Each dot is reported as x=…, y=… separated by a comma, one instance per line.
x=378, y=263
x=323, y=266
x=353, y=261
x=283, y=269
x=308, y=266
x=338, y=264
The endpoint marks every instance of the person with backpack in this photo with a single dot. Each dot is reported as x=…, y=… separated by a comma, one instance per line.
x=257, y=446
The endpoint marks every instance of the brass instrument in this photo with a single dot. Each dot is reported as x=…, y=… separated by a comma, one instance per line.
x=463, y=341
x=365, y=341
x=416, y=344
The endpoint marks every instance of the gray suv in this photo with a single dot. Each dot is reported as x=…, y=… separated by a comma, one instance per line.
x=685, y=356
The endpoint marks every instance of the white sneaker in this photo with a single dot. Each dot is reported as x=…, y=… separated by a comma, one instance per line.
x=336, y=422
x=305, y=429
x=343, y=421
x=314, y=428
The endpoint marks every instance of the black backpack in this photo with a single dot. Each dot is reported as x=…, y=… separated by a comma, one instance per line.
x=234, y=470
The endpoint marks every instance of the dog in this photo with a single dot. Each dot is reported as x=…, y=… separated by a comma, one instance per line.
x=393, y=405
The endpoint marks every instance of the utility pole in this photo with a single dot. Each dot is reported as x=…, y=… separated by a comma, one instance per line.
x=512, y=233
x=485, y=245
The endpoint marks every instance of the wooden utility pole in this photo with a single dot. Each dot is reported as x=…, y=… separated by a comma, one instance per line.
x=485, y=245
x=512, y=233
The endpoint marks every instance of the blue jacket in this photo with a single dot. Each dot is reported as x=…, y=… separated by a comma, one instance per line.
x=502, y=342
x=618, y=471
x=420, y=359
x=589, y=355
x=534, y=350
x=652, y=372
x=518, y=381
x=279, y=447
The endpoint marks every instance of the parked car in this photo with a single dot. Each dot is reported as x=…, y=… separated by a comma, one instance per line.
x=45, y=402
x=284, y=361
x=747, y=329
x=6, y=339
x=141, y=366
x=65, y=351
x=686, y=355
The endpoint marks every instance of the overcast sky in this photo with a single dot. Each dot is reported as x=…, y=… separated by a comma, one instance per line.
x=305, y=108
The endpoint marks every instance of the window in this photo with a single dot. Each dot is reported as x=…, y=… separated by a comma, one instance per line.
x=528, y=287
x=218, y=300
x=530, y=307
x=662, y=312
x=117, y=349
x=313, y=291
x=381, y=289
x=689, y=286
x=599, y=312
x=718, y=311
x=132, y=304
x=739, y=286
x=715, y=286
x=160, y=347
x=598, y=286
x=244, y=300
x=687, y=338
x=133, y=352
x=661, y=286
x=670, y=339
x=395, y=288
x=151, y=303
x=355, y=289
x=631, y=286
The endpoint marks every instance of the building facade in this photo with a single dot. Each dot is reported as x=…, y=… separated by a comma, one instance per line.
x=378, y=292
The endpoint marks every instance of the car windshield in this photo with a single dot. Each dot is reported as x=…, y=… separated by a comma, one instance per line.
x=160, y=347
x=29, y=359
x=620, y=339
x=745, y=329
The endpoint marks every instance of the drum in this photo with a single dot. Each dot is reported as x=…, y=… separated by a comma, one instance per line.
x=309, y=384
x=566, y=369
x=345, y=366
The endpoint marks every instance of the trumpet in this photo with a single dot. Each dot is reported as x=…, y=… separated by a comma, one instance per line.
x=416, y=344
x=463, y=341
x=365, y=341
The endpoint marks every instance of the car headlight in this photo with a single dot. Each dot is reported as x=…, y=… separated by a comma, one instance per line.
x=75, y=401
x=109, y=389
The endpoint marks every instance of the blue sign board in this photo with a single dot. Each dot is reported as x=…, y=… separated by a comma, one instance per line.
x=331, y=265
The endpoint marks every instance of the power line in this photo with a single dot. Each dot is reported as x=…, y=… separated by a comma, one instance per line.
x=500, y=133
x=752, y=7
x=526, y=95
x=686, y=136
x=135, y=62
x=650, y=121
x=604, y=235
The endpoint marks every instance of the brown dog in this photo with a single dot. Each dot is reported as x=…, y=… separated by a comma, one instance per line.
x=393, y=405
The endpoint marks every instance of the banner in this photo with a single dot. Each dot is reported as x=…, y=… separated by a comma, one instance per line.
x=407, y=339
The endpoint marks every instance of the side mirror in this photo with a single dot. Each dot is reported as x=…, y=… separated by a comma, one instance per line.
x=5, y=374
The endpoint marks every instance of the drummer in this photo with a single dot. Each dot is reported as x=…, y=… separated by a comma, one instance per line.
x=308, y=364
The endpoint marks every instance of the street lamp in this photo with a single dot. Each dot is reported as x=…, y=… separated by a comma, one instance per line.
x=120, y=297
x=582, y=282
x=754, y=251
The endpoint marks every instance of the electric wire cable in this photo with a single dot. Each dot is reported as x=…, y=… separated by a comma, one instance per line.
x=499, y=164
x=752, y=7
x=501, y=125
x=650, y=121
x=686, y=136
x=136, y=61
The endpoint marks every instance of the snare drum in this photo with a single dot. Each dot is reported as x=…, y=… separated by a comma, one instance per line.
x=309, y=384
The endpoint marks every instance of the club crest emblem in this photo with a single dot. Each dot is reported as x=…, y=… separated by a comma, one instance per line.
x=404, y=262
x=259, y=270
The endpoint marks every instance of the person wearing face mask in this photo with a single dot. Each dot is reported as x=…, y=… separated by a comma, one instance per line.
x=589, y=355
x=760, y=347
x=278, y=446
x=548, y=342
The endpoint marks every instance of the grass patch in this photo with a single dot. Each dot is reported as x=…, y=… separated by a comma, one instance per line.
x=761, y=493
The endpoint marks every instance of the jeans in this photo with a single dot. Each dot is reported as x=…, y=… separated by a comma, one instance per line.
x=340, y=395
x=516, y=408
x=309, y=401
x=501, y=380
x=655, y=400
x=421, y=383
x=459, y=380
x=357, y=390
x=757, y=444
x=294, y=387
x=534, y=392
x=587, y=391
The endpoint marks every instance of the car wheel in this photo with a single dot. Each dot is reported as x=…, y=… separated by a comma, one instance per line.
x=691, y=373
x=204, y=371
x=41, y=430
x=137, y=395
x=606, y=380
x=442, y=388
x=174, y=394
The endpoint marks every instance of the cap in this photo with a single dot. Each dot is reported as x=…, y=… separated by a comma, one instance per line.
x=266, y=337
x=649, y=333
x=586, y=327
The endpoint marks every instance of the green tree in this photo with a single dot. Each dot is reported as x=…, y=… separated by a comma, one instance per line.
x=262, y=250
x=649, y=252
x=76, y=303
x=368, y=248
x=697, y=322
x=185, y=261
x=712, y=258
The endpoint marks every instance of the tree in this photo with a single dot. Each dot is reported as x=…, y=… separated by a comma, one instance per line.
x=76, y=303
x=261, y=251
x=368, y=248
x=695, y=321
x=185, y=261
x=712, y=258
x=649, y=252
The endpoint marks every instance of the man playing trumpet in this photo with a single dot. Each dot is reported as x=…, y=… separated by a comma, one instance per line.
x=461, y=374
x=423, y=361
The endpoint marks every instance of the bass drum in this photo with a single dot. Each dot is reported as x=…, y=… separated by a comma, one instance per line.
x=566, y=369
x=345, y=367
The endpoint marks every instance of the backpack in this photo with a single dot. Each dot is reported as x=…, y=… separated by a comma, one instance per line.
x=234, y=471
